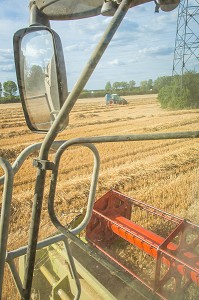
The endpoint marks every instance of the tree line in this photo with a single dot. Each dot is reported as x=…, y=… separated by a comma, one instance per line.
x=175, y=92
x=146, y=86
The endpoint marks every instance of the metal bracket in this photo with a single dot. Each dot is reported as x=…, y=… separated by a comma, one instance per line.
x=157, y=6
x=43, y=164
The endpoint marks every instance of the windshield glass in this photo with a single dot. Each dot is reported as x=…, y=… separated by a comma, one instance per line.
x=140, y=109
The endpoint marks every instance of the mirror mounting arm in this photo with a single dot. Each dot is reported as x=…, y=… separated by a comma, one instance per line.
x=36, y=16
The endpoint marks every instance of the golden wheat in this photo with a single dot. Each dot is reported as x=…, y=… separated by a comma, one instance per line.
x=161, y=173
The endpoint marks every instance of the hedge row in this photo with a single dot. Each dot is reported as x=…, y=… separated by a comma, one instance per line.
x=13, y=99
x=181, y=92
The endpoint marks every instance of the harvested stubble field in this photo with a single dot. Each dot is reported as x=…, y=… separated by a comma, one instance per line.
x=161, y=173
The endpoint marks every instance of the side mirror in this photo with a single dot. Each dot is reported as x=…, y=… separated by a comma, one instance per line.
x=41, y=76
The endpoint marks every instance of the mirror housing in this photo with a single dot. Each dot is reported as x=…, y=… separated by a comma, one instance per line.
x=41, y=76
x=69, y=9
x=168, y=5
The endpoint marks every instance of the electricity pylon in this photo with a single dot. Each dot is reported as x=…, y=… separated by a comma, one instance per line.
x=186, y=54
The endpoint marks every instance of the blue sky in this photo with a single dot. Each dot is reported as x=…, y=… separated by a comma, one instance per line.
x=141, y=49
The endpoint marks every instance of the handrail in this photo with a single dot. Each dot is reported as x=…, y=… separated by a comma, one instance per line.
x=61, y=146
x=52, y=134
x=91, y=197
x=88, y=142
x=24, y=155
x=5, y=214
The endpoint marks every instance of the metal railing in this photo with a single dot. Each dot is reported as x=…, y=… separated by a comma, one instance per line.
x=5, y=214
x=60, y=147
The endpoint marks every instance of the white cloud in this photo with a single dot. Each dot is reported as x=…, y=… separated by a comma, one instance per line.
x=71, y=48
x=158, y=51
x=116, y=62
x=6, y=55
x=7, y=68
x=135, y=52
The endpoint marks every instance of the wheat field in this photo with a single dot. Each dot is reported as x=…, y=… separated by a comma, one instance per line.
x=162, y=173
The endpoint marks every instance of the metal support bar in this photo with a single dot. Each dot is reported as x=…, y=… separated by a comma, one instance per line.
x=25, y=153
x=42, y=244
x=5, y=214
x=112, y=267
x=36, y=16
x=136, y=137
x=99, y=257
x=53, y=282
x=51, y=135
x=22, y=251
x=129, y=138
x=68, y=105
x=88, y=214
x=86, y=142
x=101, y=139
x=73, y=269
x=84, y=77
x=15, y=275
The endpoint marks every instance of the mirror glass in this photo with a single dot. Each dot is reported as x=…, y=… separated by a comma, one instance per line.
x=41, y=94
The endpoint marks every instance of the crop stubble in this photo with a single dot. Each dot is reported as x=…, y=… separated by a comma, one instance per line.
x=160, y=173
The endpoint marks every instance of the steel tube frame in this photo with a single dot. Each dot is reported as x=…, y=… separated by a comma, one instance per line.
x=84, y=77
x=51, y=135
x=62, y=146
x=5, y=215
x=129, y=138
x=41, y=244
x=15, y=275
x=25, y=153
x=101, y=139
x=73, y=269
x=91, y=197
x=99, y=257
x=53, y=282
x=88, y=142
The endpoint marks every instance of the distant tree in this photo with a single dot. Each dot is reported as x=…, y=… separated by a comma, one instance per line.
x=131, y=84
x=150, y=84
x=35, y=78
x=0, y=89
x=144, y=86
x=10, y=88
x=161, y=82
x=120, y=85
x=108, y=86
x=124, y=85
x=116, y=86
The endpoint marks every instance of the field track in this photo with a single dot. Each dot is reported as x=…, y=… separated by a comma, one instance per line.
x=161, y=173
